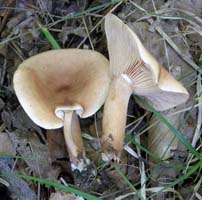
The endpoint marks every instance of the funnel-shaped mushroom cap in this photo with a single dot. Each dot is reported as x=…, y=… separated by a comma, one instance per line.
x=129, y=58
x=60, y=80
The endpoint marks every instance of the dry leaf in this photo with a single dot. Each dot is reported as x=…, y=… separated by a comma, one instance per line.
x=6, y=147
x=2, y=104
x=56, y=144
x=63, y=196
x=34, y=153
x=18, y=188
x=161, y=140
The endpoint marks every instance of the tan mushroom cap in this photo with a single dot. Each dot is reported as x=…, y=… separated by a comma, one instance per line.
x=130, y=59
x=60, y=80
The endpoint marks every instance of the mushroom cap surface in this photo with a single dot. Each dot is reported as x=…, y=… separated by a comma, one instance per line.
x=55, y=81
x=130, y=59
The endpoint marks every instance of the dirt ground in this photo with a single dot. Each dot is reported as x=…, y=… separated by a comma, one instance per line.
x=160, y=160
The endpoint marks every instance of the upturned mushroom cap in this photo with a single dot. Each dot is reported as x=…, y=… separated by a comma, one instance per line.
x=60, y=80
x=130, y=59
x=133, y=70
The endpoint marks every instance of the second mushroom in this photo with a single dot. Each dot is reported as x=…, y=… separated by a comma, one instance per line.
x=55, y=86
x=133, y=70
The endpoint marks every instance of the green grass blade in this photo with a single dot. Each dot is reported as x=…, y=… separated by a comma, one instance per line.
x=7, y=156
x=155, y=157
x=128, y=182
x=132, y=140
x=99, y=7
x=172, y=128
x=87, y=11
x=49, y=36
x=55, y=185
x=71, y=16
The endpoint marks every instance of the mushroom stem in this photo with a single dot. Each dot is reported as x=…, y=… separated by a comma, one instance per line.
x=73, y=138
x=114, y=117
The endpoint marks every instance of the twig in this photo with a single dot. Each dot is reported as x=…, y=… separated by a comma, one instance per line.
x=196, y=188
x=142, y=173
x=174, y=46
x=197, y=132
x=96, y=130
x=87, y=32
x=3, y=72
x=2, y=127
x=4, y=182
x=95, y=27
x=6, y=13
x=197, y=18
x=17, y=50
x=169, y=41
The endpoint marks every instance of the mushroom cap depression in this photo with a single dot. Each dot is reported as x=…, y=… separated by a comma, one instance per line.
x=130, y=59
x=61, y=80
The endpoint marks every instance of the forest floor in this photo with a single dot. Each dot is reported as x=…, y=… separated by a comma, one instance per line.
x=162, y=150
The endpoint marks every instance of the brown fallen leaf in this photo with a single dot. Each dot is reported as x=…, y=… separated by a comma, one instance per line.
x=161, y=141
x=56, y=144
x=17, y=187
x=6, y=147
x=2, y=104
x=34, y=153
x=4, y=14
x=62, y=196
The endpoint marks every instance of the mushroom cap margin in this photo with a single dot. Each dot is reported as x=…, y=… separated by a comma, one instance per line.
x=73, y=79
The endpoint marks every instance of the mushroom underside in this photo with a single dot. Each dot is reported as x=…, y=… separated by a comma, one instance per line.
x=41, y=93
x=131, y=63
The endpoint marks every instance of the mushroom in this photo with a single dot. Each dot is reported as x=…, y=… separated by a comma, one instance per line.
x=133, y=70
x=55, y=86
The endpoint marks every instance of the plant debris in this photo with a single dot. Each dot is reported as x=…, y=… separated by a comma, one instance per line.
x=155, y=164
